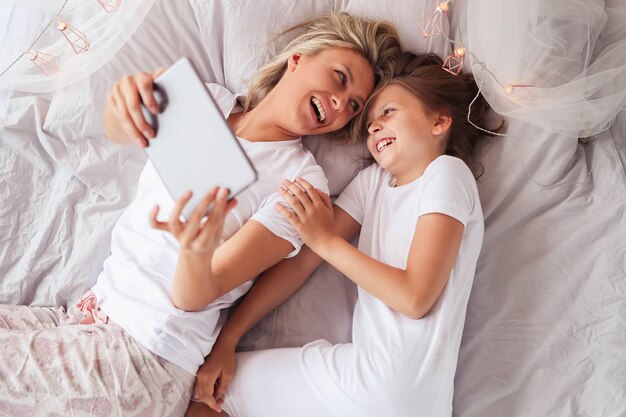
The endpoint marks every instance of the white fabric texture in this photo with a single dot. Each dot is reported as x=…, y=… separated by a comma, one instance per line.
x=135, y=287
x=290, y=393
x=396, y=365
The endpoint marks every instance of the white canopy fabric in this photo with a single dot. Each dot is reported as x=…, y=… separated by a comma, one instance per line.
x=105, y=32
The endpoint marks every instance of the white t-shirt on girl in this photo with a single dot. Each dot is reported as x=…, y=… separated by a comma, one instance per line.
x=135, y=286
x=397, y=366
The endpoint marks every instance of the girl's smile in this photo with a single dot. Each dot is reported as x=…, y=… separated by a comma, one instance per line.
x=403, y=136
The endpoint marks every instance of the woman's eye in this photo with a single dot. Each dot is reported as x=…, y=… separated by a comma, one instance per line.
x=355, y=106
x=342, y=77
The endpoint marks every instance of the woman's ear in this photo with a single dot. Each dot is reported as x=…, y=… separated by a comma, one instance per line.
x=293, y=61
x=442, y=124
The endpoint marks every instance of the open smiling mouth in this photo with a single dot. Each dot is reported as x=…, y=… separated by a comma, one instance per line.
x=318, y=109
x=384, y=143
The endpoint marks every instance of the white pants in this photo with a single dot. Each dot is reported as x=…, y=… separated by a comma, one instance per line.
x=271, y=383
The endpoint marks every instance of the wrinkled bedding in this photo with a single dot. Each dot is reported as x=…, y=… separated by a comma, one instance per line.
x=546, y=324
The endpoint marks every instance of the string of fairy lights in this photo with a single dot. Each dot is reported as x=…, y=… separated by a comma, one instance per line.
x=48, y=63
x=431, y=24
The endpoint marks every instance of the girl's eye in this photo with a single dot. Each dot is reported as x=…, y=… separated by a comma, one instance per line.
x=342, y=77
x=355, y=106
x=387, y=111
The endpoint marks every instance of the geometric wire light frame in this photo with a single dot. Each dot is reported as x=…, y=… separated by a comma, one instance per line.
x=75, y=37
x=46, y=63
x=110, y=5
x=454, y=62
x=432, y=23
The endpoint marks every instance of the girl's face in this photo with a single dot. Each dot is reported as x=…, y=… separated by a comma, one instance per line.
x=320, y=93
x=404, y=138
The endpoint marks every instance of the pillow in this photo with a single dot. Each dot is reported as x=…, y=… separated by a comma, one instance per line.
x=238, y=38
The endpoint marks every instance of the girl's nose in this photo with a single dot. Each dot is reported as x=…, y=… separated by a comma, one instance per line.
x=374, y=127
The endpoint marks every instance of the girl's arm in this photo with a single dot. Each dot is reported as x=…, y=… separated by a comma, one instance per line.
x=412, y=292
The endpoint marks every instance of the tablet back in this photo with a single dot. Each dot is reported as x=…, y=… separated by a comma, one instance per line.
x=194, y=148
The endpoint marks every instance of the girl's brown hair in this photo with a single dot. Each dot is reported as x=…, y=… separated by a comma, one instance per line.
x=440, y=91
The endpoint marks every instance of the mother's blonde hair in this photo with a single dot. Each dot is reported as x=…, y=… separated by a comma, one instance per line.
x=377, y=41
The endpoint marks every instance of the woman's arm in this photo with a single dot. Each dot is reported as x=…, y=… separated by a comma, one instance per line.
x=204, y=271
x=270, y=290
x=279, y=282
x=413, y=292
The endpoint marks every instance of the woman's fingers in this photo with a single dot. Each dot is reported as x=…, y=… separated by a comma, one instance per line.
x=212, y=229
x=204, y=388
x=125, y=119
x=175, y=225
x=133, y=88
x=158, y=72
x=222, y=385
x=145, y=86
x=195, y=220
x=156, y=224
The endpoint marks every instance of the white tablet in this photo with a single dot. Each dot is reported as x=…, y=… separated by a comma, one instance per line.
x=194, y=148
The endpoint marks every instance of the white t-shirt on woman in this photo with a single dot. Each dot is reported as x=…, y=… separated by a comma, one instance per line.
x=397, y=366
x=134, y=289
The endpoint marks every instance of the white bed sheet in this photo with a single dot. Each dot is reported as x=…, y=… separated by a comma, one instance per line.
x=545, y=333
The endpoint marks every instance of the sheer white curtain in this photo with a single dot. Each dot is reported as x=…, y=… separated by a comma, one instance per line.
x=26, y=19
x=577, y=88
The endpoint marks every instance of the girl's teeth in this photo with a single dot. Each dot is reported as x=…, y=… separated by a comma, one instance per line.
x=383, y=144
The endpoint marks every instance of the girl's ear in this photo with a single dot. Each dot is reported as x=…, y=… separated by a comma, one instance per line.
x=442, y=124
x=293, y=61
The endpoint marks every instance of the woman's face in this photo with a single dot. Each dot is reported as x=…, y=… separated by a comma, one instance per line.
x=320, y=93
x=401, y=132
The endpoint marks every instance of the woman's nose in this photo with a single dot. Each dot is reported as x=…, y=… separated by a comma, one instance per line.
x=338, y=102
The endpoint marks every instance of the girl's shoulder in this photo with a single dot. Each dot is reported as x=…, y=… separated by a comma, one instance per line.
x=372, y=171
x=449, y=165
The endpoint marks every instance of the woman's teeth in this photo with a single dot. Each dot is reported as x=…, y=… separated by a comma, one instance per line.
x=319, y=110
x=384, y=143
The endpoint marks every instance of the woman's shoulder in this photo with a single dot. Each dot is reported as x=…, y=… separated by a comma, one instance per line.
x=226, y=100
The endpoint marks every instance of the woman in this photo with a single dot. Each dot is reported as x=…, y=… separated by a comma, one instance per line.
x=153, y=314
x=421, y=228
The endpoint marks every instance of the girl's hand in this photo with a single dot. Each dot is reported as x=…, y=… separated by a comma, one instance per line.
x=312, y=215
x=195, y=236
x=214, y=376
x=125, y=99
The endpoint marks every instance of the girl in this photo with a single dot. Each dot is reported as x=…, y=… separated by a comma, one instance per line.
x=154, y=312
x=421, y=229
